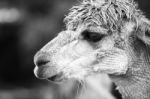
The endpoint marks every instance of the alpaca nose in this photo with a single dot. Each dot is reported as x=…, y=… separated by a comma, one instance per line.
x=41, y=59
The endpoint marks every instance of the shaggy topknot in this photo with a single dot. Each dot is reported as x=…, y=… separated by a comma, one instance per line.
x=107, y=13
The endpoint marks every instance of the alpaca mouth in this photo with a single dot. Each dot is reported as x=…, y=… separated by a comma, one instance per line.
x=56, y=78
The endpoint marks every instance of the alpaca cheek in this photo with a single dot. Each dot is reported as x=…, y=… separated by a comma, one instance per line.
x=82, y=48
x=107, y=44
x=113, y=64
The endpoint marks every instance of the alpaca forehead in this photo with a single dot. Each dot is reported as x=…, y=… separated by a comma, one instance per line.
x=108, y=13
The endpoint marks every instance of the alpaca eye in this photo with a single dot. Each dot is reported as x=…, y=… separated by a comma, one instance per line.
x=92, y=36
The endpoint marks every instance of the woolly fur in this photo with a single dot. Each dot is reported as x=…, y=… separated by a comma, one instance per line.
x=107, y=13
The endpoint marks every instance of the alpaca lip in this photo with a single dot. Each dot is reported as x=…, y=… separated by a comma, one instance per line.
x=56, y=78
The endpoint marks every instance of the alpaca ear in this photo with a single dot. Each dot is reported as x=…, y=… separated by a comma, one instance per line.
x=144, y=30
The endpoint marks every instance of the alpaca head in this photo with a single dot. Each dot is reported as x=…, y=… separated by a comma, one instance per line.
x=101, y=36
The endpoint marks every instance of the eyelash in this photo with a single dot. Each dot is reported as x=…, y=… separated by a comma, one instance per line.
x=92, y=36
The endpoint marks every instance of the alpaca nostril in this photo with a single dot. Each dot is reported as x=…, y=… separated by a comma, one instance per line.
x=41, y=62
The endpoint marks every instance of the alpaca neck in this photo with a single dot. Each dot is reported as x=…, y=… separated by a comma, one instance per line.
x=135, y=84
x=135, y=91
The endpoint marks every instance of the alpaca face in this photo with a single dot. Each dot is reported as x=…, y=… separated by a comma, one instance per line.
x=100, y=37
x=80, y=53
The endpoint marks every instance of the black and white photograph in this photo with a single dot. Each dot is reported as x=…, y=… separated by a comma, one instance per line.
x=75, y=49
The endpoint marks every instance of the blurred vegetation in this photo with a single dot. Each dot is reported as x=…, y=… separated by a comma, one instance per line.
x=25, y=26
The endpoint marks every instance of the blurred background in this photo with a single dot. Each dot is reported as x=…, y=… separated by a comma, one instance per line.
x=26, y=26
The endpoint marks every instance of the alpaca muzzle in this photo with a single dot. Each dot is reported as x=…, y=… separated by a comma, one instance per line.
x=44, y=69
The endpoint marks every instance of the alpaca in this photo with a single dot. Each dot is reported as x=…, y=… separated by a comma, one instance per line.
x=101, y=36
